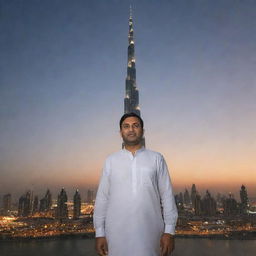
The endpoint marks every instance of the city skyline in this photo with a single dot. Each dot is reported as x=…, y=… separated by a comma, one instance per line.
x=62, y=91
x=30, y=203
x=89, y=193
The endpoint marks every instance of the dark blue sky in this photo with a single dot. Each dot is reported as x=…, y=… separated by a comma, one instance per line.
x=63, y=67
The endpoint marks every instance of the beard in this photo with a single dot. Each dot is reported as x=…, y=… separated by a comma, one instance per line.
x=132, y=142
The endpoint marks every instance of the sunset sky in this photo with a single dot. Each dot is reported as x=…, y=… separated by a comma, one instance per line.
x=63, y=67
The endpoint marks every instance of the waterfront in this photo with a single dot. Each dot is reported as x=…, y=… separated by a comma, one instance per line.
x=85, y=247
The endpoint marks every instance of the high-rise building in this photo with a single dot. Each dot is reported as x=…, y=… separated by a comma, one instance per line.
x=21, y=205
x=42, y=205
x=131, y=99
x=198, y=205
x=7, y=204
x=230, y=206
x=193, y=195
x=209, y=206
x=35, y=205
x=46, y=202
x=186, y=197
x=244, y=200
x=77, y=205
x=181, y=198
x=25, y=204
x=179, y=202
x=62, y=209
x=48, y=198
x=90, y=195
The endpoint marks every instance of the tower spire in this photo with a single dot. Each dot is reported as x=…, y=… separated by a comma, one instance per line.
x=130, y=11
x=131, y=100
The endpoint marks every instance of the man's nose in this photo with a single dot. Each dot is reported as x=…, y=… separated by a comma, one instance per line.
x=131, y=128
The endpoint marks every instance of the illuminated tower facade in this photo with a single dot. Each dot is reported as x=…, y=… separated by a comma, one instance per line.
x=131, y=100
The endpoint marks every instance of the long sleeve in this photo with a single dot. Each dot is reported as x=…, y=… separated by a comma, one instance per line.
x=170, y=213
x=101, y=203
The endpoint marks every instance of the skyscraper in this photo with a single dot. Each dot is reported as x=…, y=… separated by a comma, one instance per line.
x=46, y=202
x=230, y=206
x=244, y=200
x=186, y=197
x=193, y=195
x=77, y=205
x=208, y=204
x=25, y=204
x=35, y=205
x=21, y=205
x=131, y=100
x=6, y=204
x=90, y=196
x=198, y=205
x=62, y=209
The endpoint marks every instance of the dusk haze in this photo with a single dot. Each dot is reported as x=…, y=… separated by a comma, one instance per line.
x=62, y=88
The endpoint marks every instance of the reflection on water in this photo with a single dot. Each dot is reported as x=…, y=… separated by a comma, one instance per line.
x=85, y=247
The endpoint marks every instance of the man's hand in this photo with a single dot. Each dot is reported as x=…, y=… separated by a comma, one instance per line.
x=101, y=246
x=167, y=244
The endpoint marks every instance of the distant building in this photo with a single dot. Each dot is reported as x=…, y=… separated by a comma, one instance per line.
x=25, y=205
x=90, y=196
x=62, y=209
x=244, y=200
x=77, y=205
x=179, y=202
x=193, y=195
x=35, y=205
x=220, y=199
x=21, y=206
x=186, y=197
x=198, y=205
x=209, y=205
x=46, y=202
x=7, y=204
x=230, y=206
x=42, y=205
x=181, y=198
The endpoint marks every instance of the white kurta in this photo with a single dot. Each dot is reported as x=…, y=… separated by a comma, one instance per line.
x=128, y=204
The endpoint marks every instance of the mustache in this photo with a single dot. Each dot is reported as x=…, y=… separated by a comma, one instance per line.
x=131, y=133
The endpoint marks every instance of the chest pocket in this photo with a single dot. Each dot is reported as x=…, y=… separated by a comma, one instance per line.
x=148, y=176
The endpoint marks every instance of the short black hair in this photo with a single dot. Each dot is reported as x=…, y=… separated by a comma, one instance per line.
x=131, y=115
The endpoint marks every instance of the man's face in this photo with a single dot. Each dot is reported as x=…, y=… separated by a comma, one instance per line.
x=131, y=131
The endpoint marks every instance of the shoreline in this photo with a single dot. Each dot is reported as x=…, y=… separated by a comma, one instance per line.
x=235, y=235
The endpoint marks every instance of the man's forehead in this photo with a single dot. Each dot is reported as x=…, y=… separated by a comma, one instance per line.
x=131, y=119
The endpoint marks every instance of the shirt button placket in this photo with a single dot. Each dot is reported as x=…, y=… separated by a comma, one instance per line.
x=134, y=176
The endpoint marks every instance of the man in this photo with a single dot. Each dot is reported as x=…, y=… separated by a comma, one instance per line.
x=134, y=186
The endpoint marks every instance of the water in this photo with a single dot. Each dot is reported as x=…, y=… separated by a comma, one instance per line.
x=85, y=247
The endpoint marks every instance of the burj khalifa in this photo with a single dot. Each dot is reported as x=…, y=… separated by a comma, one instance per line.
x=131, y=100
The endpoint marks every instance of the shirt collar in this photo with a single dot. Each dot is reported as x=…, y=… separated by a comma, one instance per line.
x=136, y=152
